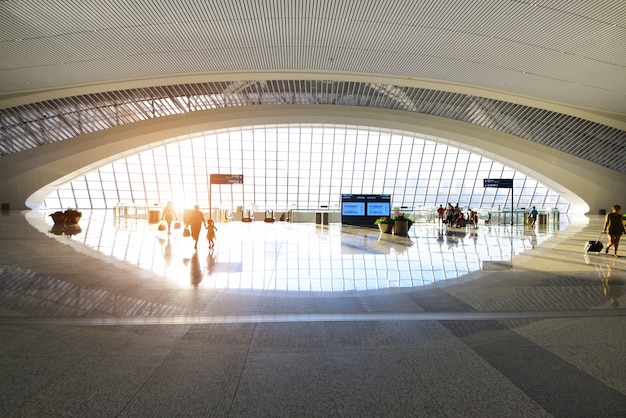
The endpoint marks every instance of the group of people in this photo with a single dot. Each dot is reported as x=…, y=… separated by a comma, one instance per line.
x=454, y=216
x=194, y=224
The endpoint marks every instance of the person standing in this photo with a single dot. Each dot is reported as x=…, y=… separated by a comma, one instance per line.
x=441, y=212
x=449, y=213
x=168, y=216
x=532, y=216
x=473, y=216
x=196, y=220
x=614, y=226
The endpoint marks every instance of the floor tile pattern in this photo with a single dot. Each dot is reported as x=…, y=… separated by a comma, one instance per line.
x=301, y=320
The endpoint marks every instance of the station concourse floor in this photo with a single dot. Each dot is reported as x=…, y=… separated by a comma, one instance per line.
x=287, y=319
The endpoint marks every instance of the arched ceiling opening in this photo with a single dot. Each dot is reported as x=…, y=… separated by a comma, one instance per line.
x=577, y=180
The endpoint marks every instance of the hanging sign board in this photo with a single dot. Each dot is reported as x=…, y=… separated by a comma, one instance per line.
x=499, y=183
x=226, y=178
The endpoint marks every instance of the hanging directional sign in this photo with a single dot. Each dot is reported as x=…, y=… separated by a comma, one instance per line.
x=226, y=178
x=500, y=183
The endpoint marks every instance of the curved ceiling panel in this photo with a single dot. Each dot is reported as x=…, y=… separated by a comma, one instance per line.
x=29, y=126
x=561, y=51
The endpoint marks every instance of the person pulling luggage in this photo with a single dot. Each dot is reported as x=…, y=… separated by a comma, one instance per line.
x=196, y=220
x=614, y=226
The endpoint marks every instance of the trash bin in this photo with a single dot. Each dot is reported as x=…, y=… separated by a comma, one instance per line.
x=154, y=216
x=321, y=218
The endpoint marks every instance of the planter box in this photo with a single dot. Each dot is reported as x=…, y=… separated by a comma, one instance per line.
x=401, y=228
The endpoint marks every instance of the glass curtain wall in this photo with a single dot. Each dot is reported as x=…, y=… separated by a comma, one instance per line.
x=303, y=167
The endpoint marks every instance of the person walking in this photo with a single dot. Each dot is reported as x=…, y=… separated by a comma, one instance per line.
x=210, y=232
x=169, y=214
x=614, y=226
x=532, y=216
x=196, y=220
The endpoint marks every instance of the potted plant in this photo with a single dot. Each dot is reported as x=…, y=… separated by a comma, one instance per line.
x=385, y=223
x=69, y=217
x=72, y=216
x=402, y=224
x=58, y=217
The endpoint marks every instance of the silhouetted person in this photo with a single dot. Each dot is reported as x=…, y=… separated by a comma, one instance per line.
x=196, y=220
x=168, y=216
x=614, y=226
x=210, y=232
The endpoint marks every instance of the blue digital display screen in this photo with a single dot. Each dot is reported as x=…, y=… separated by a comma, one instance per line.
x=378, y=209
x=353, y=209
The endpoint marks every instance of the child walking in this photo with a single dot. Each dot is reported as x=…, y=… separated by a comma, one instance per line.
x=210, y=232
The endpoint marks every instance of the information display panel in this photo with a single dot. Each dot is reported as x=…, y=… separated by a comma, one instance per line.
x=378, y=209
x=353, y=208
x=364, y=209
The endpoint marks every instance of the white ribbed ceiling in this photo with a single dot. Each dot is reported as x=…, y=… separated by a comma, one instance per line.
x=571, y=52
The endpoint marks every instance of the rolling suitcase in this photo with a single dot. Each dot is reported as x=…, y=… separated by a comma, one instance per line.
x=594, y=246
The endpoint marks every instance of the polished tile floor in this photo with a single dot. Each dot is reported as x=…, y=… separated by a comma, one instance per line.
x=304, y=256
x=301, y=320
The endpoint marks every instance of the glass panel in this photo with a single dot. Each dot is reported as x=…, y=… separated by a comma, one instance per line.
x=279, y=164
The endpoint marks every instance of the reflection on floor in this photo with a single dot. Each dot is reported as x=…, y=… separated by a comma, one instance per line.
x=304, y=256
x=300, y=320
